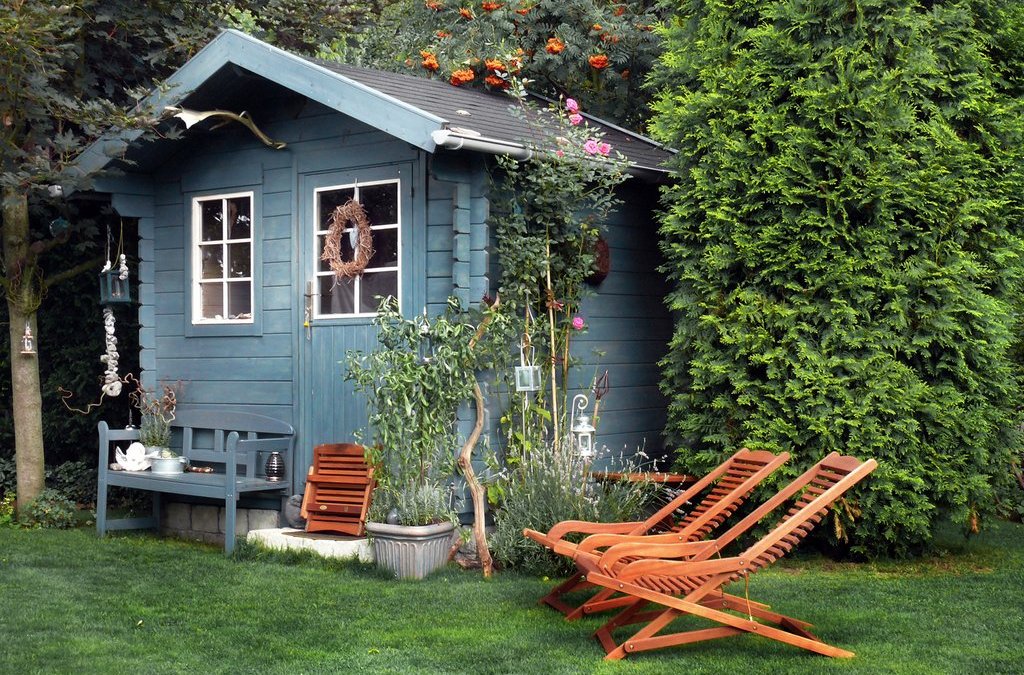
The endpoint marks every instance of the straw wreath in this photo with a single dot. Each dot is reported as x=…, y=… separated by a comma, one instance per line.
x=352, y=212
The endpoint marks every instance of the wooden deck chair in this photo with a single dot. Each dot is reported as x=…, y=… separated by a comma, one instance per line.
x=723, y=490
x=338, y=489
x=682, y=579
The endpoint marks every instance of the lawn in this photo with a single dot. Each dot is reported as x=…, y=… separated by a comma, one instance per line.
x=135, y=604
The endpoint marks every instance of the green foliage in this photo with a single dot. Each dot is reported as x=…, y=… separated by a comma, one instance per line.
x=517, y=34
x=50, y=509
x=423, y=369
x=548, y=486
x=7, y=515
x=845, y=248
x=75, y=480
x=8, y=476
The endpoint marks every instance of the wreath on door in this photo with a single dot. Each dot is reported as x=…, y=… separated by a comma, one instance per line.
x=350, y=212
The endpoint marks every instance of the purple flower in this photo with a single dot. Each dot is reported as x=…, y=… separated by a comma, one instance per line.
x=591, y=147
x=578, y=323
x=571, y=105
x=575, y=119
x=604, y=148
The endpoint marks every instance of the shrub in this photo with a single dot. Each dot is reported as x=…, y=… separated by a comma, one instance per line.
x=8, y=476
x=7, y=517
x=74, y=480
x=844, y=243
x=50, y=509
x=547, y=487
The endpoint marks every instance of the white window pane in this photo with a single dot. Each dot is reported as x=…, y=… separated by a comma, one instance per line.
x=211, y=256
x=211, y=220
x=239, y=300
x=337, y=296
x=376, y=285
x=212, y=295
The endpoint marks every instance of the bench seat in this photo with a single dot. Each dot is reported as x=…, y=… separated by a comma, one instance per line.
x=234, y=444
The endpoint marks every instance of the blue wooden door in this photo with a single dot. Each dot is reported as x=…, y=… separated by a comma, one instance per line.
x=338, y=312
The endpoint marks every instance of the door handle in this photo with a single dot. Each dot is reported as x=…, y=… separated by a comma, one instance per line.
x=308, y=311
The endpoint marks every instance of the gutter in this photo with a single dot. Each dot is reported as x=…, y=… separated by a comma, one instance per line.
x=450, y=140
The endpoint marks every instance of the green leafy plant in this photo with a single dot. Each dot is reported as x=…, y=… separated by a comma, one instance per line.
x=50, y=509
x=423, y=369
x=157, y=414
x=75, y=480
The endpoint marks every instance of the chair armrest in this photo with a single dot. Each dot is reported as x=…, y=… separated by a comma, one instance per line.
x=596, y=541
x=680, y=568
x=661, y=551
x=586, y=527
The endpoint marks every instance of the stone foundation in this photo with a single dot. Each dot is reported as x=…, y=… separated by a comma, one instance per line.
x=202, y=522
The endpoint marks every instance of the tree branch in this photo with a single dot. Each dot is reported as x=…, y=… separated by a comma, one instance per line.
x=71, y=272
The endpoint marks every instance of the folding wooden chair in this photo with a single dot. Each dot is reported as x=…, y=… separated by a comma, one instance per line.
x=338, y=489
x=682, y=578
x=724, y=490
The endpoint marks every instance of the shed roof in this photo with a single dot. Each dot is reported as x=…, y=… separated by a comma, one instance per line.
x=413, y=109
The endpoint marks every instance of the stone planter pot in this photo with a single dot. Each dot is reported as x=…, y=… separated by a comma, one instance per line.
x=168, y=465
x=410, y=551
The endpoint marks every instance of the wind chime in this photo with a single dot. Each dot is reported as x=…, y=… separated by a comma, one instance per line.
x=114, y=290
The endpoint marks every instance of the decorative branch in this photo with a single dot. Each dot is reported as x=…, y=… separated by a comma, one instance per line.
x=191, y=117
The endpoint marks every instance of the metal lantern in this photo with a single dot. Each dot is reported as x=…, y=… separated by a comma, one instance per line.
x=527, y=374
x=113, y=289
x=28, y=343
x=582, y=429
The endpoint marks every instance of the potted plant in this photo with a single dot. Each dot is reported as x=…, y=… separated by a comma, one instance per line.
x=157, y=413
x=414, y=382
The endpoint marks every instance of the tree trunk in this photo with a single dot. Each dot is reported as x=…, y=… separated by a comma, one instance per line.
x=22, y=302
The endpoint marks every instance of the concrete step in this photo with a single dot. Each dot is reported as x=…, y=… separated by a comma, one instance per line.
x=326, y=545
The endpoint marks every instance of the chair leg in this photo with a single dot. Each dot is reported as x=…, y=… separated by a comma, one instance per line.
x=554, y=597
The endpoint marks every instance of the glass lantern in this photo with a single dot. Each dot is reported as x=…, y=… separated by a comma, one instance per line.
x=527, y=375
x=583, y=432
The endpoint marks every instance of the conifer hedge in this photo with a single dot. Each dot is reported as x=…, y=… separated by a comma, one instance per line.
x=844, y=244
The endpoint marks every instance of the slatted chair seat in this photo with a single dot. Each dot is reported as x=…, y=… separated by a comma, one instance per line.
x=685, y=579
x=720, y=493
x=338, y=489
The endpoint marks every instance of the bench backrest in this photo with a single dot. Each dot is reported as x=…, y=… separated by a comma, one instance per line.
x=206, y=436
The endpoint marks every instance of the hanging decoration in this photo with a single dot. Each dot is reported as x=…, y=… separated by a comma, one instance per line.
x=351, y=212
x=111, y=382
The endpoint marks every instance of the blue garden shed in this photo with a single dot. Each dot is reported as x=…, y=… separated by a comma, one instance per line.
x=234, y=300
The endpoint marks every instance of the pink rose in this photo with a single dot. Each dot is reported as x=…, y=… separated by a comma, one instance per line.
x=575, y=119
x=591, y=147
x=571, y=105
x=578, y=323
x=604, y=148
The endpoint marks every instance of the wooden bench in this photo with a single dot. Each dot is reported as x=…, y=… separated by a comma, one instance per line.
x=235, y=444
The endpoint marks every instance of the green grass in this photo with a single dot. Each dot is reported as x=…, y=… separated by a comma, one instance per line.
x=135, y=604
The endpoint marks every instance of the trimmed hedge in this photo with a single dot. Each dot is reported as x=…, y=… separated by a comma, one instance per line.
x=844, y=243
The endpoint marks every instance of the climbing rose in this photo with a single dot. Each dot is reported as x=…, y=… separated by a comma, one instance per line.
x=578, y=323
x=571, y=105
x=462, y=76
x=598, y=61
x=590, y=147
x=559, y=153
x=604, y=148
x=554, y=46
x=575, y=119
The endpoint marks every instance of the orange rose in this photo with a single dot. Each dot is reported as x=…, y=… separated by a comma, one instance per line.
x=462, y=76
x=466, y=13
x=598, y=61
x=494, y=64
x=554, y=46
